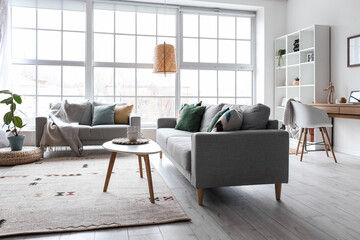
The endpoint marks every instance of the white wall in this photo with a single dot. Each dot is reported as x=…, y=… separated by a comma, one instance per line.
x=343, y=17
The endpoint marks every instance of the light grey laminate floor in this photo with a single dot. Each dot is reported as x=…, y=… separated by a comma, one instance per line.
x=321, y=201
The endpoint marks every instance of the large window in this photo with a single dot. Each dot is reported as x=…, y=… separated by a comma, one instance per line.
x=52, y=61
x=48, y=55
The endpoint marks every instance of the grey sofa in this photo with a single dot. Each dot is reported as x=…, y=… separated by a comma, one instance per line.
x=93, y=135
x=217, y=159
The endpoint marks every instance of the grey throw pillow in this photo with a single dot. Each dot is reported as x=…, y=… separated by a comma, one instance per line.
x=210, y=112
x=255, y=117
x=78, y=112
x=231, y=120
x=96, y=103
x=103, y=114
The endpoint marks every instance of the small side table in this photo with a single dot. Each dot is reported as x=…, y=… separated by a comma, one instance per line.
x=142, y=151
x=26, y=155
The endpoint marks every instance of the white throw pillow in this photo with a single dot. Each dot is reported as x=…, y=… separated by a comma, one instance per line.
x=231, y=120
x=4, y=142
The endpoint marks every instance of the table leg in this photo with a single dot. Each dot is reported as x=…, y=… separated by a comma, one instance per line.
x=110, y=168
x=140, y=166
x=148, y=173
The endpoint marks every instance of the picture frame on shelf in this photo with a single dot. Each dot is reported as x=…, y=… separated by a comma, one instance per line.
x=283, y=101
x=310, y=57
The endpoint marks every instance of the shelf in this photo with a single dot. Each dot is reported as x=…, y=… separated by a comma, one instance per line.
x=293, y=86
x=281, y=107
x=293, y=65
x=307, y=63
x=307, y=49
x=293, y=53
x=308, y=85
x=280, y=86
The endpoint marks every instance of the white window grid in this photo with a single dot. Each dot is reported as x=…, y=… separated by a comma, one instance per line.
x=89, y=64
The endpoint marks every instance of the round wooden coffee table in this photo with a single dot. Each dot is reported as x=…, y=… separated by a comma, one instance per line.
x=142, y=151
x=26, y=155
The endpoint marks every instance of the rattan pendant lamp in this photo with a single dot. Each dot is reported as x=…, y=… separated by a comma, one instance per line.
x=164, y=59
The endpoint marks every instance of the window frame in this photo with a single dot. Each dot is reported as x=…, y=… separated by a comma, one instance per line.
x=89, y=62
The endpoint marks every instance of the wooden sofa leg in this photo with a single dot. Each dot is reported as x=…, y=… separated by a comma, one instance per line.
x=160, y=154
x=278, y=191
x=200, y=196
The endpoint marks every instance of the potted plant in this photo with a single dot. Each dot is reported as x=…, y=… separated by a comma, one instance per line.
x=14, y=123
x=296, y=82
x=281, y=53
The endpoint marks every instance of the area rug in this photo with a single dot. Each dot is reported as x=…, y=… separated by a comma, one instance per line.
x=66, y=194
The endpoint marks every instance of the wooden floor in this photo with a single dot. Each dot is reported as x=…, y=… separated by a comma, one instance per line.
x=321, y=201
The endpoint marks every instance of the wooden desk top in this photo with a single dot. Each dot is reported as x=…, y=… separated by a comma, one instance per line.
x=341, y=110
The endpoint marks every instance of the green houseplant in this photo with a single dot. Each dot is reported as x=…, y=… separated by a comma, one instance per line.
x=14, y=123
x=281, y=53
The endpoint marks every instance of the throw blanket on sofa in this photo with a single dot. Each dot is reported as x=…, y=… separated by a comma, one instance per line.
x=61, y=130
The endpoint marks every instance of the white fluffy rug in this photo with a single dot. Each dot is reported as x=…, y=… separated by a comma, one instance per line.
x=65, y=194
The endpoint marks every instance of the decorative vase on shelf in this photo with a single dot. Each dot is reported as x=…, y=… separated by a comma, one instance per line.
x=296, y=82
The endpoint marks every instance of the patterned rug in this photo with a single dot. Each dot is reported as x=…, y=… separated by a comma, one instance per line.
x=65, y=194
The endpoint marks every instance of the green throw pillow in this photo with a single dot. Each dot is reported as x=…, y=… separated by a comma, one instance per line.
x=103, y=114
x=190, y=118
x=215, y=119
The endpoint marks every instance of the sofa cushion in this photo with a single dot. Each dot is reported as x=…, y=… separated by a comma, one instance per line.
x=231, y=120
x=96, y=103
x=209, y=114
x=180, y=150
x=103, y=115
x=255, y=116
x=163, y=134
x=75, y=112
x=102, y=132
x=215, y=119
x=190, y=118
x=122, y=114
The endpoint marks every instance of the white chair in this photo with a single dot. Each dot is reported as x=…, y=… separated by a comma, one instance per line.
x=307, y=117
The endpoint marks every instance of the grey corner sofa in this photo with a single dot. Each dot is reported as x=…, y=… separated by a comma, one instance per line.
x=93, y=135
x=217, y=159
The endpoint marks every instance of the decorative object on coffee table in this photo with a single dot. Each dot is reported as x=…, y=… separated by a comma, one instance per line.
x=142, y=151
x=14, y=123
x=126, y=141
x=26, y=155
x=342, y=100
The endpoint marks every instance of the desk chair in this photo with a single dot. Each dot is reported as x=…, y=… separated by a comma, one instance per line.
x=309, y=117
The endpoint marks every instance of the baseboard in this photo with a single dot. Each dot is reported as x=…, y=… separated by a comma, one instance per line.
x=347, y=151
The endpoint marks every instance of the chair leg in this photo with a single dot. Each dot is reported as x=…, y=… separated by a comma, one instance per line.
x=200, y=196
x=278, y=191
x=303, y=144
x=301, y=133
x=325, y=145
x=332, y=151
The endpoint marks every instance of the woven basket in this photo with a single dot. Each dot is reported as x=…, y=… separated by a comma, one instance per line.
x=26, y=155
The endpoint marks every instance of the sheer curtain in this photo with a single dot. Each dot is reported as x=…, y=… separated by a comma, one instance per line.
x=4, y=42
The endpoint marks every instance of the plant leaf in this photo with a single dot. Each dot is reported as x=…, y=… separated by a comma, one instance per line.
x=17, y=98
x=5, y=91
x=7, y=100
x=13, y=107
x=18, y=122
x=7, y=118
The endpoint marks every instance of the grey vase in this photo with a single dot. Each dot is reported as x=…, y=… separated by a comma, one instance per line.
x=16, y=142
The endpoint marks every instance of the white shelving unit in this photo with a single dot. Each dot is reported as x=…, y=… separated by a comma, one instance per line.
x=314, y=74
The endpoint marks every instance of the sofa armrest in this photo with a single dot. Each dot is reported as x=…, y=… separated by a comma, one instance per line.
x=272, y=124
x=239, y=158
x=166, y=122
x=134, y=120
x=39, y=127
